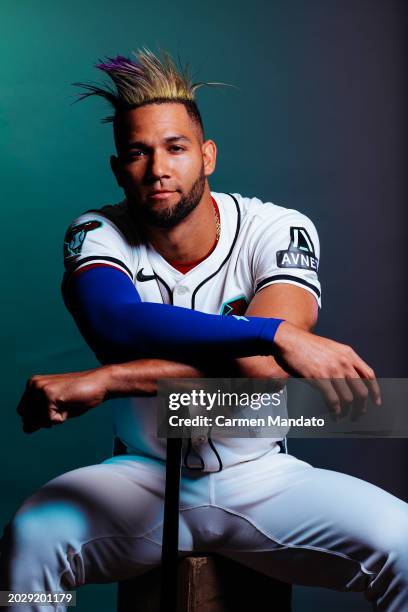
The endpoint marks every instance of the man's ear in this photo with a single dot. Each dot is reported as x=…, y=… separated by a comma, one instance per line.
x=209, y=150
x=116, y=169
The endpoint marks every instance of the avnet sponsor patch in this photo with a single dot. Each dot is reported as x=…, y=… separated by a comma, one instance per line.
x=300, y=252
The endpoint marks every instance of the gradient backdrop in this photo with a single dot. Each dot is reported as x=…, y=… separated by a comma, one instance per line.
x=317, y=124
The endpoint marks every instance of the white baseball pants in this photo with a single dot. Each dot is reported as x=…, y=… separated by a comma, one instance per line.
x=277, y=514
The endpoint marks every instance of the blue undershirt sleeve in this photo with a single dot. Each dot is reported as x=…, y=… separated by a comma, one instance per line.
x=119, y=327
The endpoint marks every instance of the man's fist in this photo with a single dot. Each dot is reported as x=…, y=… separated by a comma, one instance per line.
x=52, y=399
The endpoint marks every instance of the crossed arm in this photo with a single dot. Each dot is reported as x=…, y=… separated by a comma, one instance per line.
x=52, y=399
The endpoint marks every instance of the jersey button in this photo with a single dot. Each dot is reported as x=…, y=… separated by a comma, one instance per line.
x=181, y=290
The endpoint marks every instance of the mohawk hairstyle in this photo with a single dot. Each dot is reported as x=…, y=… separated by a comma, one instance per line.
x=146, y=80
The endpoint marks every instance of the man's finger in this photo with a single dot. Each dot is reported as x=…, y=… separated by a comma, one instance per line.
x=330, y=395
x=374, y=390
x=370, y=380
x=31, y=402
x=344, y=393
x=361, y=395
x=30, y=427
x=35, y=417
x=26, y=402
x=57, y=416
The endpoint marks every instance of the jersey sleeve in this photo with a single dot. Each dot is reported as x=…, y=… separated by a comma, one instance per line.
x=287, y=250
x=93, y=240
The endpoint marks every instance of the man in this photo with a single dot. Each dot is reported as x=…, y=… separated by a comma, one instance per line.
x=146, y=281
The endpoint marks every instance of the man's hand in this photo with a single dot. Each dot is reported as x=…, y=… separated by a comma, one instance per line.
x=340, y=374
x=52, y=399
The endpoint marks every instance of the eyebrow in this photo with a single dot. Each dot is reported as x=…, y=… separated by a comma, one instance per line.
x=142, y=144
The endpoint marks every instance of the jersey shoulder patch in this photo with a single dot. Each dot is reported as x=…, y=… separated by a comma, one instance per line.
x=300, y=252
x=76, y=234
x=96, y=238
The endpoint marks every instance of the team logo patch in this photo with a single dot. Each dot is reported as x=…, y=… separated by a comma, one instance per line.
x=236, y=306
x=300, y=253
x=75, y=237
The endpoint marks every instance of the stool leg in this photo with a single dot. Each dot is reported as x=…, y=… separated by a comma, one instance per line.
x=215, y=584
x=168, y=594
x=208, y=583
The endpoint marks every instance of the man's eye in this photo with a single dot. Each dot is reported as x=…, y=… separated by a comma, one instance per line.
x=132, y=156
x=176, y=148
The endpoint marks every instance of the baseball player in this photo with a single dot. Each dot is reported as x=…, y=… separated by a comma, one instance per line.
x=179, y=281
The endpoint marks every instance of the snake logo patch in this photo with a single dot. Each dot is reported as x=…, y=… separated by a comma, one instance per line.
x=75, y=237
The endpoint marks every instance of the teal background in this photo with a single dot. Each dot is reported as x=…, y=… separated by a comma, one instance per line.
x=317, y=123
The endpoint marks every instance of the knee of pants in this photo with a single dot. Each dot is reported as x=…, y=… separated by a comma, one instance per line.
x=391, y=538
x=43, y=530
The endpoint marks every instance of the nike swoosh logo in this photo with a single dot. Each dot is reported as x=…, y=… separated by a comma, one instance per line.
x=144, y=277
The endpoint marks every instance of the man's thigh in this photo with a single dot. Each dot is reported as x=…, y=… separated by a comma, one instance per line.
x=91, y=524
x=310, y=526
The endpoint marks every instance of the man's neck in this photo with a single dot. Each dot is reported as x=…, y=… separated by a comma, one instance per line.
x=191, y=239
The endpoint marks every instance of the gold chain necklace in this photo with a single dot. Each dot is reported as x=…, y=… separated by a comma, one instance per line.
x=217, y=224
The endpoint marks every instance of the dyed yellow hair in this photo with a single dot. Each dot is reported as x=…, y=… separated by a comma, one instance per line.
x=147, y=79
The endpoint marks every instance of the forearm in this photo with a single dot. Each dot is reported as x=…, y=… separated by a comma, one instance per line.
x=282, y=301
x=51, y=399
x=140, y=377
x=259, y=367
x=119, y=327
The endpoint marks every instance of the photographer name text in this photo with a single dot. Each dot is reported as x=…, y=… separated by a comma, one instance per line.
x=223, y=421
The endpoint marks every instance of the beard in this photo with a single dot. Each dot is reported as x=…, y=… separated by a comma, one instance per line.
x=171, y=217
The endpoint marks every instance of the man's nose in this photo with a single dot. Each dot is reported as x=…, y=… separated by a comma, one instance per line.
x=159, y=167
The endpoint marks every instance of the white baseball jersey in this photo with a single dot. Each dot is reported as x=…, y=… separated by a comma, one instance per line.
x=277, y=515
x=260, y=244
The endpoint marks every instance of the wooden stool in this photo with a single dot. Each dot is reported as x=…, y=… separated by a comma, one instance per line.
x=208, y=584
